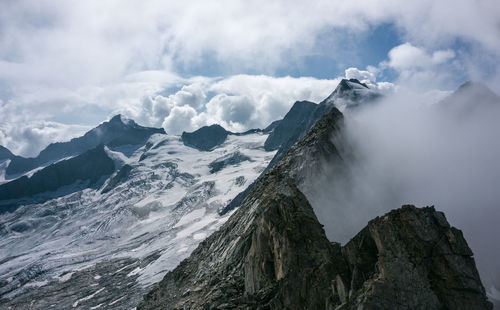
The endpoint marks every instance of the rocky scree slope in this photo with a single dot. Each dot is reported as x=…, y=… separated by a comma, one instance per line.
x=273, y=253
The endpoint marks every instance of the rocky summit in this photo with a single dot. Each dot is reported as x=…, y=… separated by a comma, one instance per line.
x=273, y=253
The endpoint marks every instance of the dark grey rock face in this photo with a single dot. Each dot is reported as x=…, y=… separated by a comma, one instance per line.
x=116, y=132
x=271, y=126
x=301, y=118
x=293, y=126
x=89, y=166
x=5, y=153
x=206, y=138
x=120, y=176
x=273, y=253
x=228, y=160
x=410, y=258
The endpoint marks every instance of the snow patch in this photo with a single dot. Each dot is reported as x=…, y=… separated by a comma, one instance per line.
x=37, y=283
x=134, y=272
x=65, y=277
x=199, y=236
x=191, y=216
x=75, y=304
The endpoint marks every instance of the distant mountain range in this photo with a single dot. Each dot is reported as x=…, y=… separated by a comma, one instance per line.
x=116, y=132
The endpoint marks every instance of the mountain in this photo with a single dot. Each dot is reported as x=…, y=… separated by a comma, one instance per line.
x=291, y=126
x=302, y=116
x=273, y=252
x=89, y=166
x=118, y=131
x=107, y=244
x=5, y=153
x=351, y=94
x=470, y=98
x=163, y=213
x=206, y=138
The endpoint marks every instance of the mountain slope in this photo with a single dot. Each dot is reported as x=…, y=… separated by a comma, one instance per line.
x=107, y=246
x=229, y=254
x=273, y=252
x=117, y=131
x=302, y=116
x=89, y=166
x=291, y=126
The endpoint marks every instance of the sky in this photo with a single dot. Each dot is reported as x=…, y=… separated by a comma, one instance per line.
x=66, y=66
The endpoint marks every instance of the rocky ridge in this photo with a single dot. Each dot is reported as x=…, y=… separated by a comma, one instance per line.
x=273, y=253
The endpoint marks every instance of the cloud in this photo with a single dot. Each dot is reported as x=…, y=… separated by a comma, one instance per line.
x=355, y=73
x=232, y=111
x=403, y=151
x=418, y=68
x=28, y=139
x=369, y=78
x=58, y=59
x=238, y=103
x=406, y=56
x=180, y=119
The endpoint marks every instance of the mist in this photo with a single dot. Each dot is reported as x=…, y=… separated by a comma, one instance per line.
x=405, y=150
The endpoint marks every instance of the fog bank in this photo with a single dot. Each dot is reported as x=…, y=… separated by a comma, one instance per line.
x=406, y=151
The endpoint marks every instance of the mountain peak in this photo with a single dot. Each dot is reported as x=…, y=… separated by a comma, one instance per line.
x=206, y=138
x=350, y=93
x=469, y=97
x=118, y=131
x=5, y=153
x=350, y=84
x=475, y=87
x=122, y=119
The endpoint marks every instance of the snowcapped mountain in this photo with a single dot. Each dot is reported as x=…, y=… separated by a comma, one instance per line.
x=118, y=131
x=148, y=215
x=350, y=94
x=148, y=207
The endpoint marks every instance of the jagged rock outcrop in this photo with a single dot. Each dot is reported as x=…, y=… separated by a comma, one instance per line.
x=293, y=126
x=5, y=153
x=118, y=178
x=273, y=252
x=410, y=258
x=227, y=160
x=117, y=131
x=206, y=138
